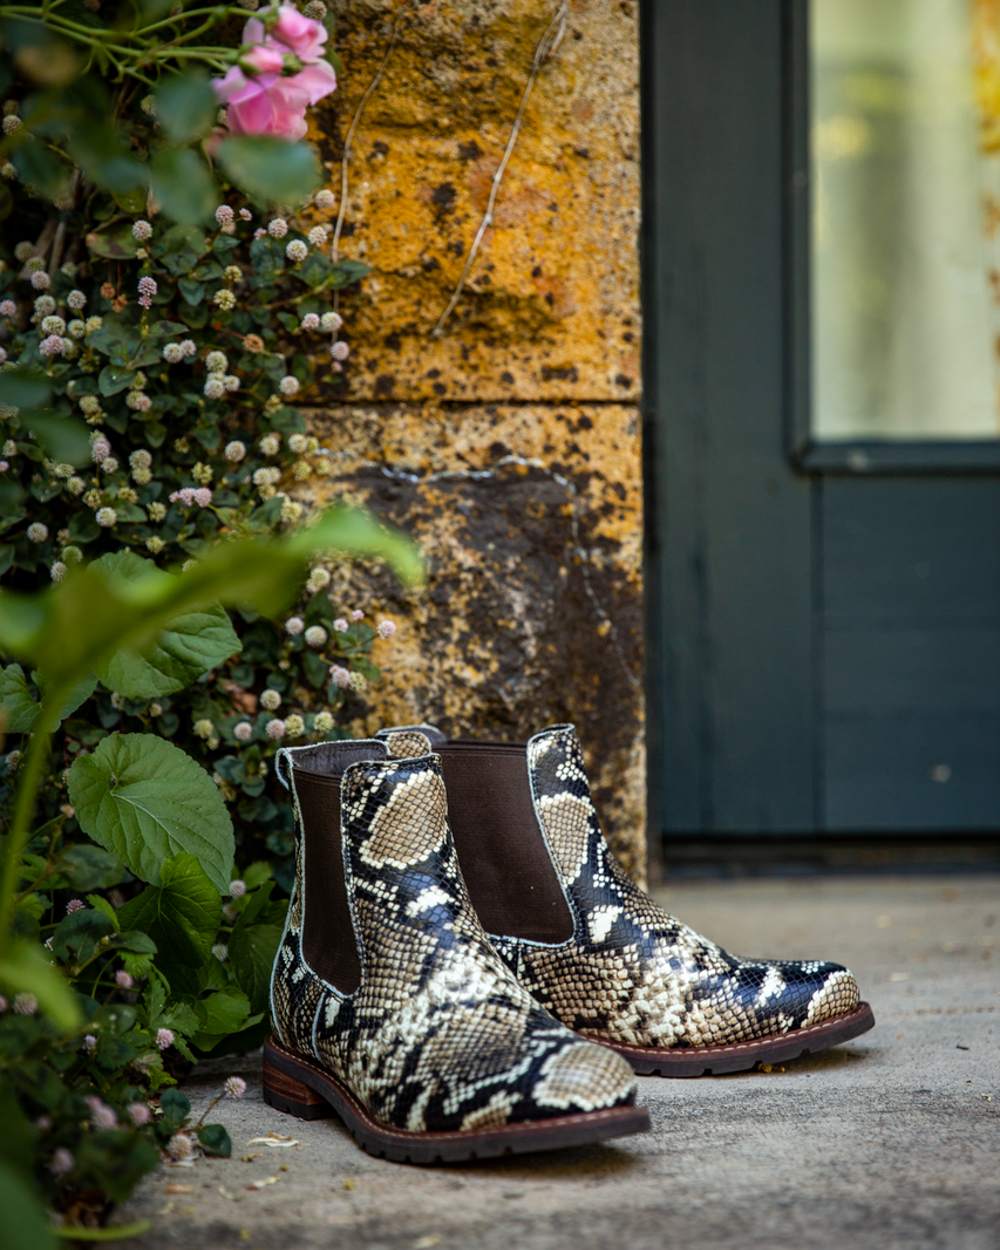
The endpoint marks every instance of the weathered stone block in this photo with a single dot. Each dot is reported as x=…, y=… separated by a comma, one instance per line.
x=532, y=610
x=550, y=309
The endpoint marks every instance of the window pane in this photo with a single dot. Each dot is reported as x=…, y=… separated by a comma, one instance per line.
x=905, y=134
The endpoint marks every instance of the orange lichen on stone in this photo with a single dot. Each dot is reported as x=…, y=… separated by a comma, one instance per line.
x=551, y=306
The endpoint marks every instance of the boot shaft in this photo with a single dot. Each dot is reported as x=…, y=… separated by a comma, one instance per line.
x=524, y=825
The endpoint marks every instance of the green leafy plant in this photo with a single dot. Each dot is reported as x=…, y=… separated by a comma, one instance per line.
x=167, y=295
x=133, y=974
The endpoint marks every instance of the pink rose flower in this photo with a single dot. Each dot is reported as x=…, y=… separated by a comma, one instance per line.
x=262, y=105
x=300, y=35
x=261, y=98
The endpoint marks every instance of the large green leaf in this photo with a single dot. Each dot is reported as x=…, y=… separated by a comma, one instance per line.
x=251, y=954
x=182, y=914
x=25, y=968
x=189, y=647
x=63, y=438
x=186, y=106
x=22, y=387
x=271, y=170
x=25, y=1224
x=220, y=1015
x=183, y=186
x=145, y=800
x=20, y=706
x=98, y=146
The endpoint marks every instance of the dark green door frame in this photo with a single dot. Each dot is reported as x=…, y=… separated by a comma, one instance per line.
x=731, y=586
x=824, y=620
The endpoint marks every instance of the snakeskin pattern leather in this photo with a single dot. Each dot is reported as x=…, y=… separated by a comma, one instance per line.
x=632, y=974
x=438, y=1036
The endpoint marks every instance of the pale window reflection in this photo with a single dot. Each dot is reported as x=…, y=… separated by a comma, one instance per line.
x=906, y=218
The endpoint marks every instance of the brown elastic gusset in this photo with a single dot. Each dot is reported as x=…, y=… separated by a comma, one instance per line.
x=503, y=855
x=328, y=940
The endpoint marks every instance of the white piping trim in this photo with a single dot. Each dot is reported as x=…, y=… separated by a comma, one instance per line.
x=574, y=910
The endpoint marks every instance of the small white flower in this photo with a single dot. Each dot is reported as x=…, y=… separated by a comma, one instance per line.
x=275, y=729
x=296, y=251
x=340, y=676
x=317, y=236
x=319, y=579
x=76, y=301
x=315, y=636
x=270, y=444
x=106, y=517
x=62, y=1161
x=331, y=322
x=340, y=351
x=385, y=629
x=53, y=345
x=294, y=626
x=203, y=728
x=235, y=1087
x=235, y=451
x=180, y=1146
x=324, y=199
x=270, y=700
x=295, y=726
x=58, y=571
x=237, y=888
x=243, y=732
x=141, y=231
x=277, y=227
x=323, y=722
x=288, y=385
x=215, y=386
x=37, y=532
x=216, y=362
x=309, y=322
x=297, y=443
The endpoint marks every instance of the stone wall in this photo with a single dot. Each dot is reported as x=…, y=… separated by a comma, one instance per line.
x=508, y=444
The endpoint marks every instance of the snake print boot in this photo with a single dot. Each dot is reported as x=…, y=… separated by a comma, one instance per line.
x=388, y=1003
x=597, y=951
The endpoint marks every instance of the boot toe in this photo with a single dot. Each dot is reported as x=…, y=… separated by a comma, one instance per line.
x=580, y=1077
x=812, y=990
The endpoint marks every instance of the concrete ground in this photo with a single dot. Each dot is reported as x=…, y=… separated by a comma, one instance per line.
x=892, y=1140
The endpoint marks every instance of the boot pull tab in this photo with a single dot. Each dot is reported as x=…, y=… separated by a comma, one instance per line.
x=406, y=744
x=283, y=757
x=406, y=741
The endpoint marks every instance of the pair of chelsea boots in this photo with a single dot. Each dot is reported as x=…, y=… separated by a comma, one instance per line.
x=466, y=971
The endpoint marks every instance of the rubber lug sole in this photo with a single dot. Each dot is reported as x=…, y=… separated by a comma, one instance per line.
x=299, y=1087
x=741, y=1056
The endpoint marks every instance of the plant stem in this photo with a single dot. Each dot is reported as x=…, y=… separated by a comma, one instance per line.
x=24, y=803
